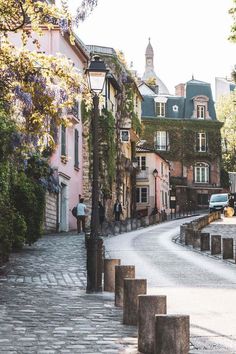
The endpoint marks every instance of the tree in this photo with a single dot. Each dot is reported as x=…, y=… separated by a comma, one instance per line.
x=226, y=112
x=232, y=12
x=35, y=89
x=18, y=14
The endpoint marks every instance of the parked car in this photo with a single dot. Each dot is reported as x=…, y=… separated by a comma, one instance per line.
x=218, y=202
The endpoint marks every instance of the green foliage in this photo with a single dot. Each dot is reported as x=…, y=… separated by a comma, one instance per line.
x=226, y=112
x=108, y=151
x=29, y=200
x=182, y=136
x=224, y=179
x=232, y=12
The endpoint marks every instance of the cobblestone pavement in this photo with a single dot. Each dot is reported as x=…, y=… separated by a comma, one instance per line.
x=44, y=308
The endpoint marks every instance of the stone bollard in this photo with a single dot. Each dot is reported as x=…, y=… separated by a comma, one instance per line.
x=151, y=219
x=205, y=241
x=109, y=274
x=228, y=248
x=188, y=237
x=134, y=224
x=132, y=288
x=146, y=220
x=182, y=233
x=117, y=227
x=196, y=239
x=138, y=223
x=123, y=226
x=215, y=244
x=172, y=334
x=122, y=272
x=129, y=228
x=148, y=307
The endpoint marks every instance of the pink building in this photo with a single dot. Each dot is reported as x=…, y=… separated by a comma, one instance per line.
x=152, y=182
x=67, y=161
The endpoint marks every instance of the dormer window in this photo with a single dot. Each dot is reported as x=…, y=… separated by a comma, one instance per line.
x=201, y=112
x=200, y=107
x=160, y=109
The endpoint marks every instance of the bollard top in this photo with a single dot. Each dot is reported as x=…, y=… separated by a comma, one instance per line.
x=172, y=316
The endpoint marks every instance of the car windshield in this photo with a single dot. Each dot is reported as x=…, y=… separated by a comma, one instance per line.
x=219, y=198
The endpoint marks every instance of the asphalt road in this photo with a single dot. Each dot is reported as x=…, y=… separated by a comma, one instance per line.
x=196, y=285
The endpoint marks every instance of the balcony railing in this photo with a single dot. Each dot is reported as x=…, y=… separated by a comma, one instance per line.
x=142, y=174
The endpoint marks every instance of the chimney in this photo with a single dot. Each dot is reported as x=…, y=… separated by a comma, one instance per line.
x=180, y=90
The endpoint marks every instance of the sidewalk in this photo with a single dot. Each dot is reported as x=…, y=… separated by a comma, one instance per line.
x=44, y=308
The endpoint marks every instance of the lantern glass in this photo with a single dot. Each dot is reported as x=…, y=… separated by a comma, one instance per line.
x=155, y=173
x=96, y=81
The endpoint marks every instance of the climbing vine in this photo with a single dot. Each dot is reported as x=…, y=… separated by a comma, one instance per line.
x=182, y=138
x=108, y=151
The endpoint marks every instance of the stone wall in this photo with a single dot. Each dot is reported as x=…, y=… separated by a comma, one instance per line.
x=50, y=218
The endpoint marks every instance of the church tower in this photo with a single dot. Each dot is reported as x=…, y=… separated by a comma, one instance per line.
x=149, y=55
x=149, y=74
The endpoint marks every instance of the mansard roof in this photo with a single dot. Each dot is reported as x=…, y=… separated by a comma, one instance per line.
x=198, y=88
x=178, y=107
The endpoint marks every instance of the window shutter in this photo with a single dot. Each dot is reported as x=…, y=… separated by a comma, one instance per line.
x=63, y=140
x=76, y=145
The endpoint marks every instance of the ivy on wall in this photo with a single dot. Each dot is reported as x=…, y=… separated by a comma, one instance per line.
x=182, y=138
x=108, y=151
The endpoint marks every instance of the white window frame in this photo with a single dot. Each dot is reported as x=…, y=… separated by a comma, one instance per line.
x=201, y=142
x=122, y=136
x=163, y=138
x=201, y=172
x=140, y=200
x=142, y=163
x=160, y=109
x=201, y=111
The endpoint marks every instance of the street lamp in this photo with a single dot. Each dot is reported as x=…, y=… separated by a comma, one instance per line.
x=96, y=74
x=133, y=185
x=155, y=174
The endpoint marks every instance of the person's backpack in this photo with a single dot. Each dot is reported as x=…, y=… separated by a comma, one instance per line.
x=74, y=211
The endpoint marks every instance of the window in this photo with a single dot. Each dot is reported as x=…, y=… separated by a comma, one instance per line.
x=162, y=168
x=63, y=140
x=201, y=112
x=160, y=109
x=76, y=148
x=124, y=136
x=201, y=142
x=202, y=199
x=142, y=195
x=175, y=108
x=162, y=140
x=201, y=171
x=142, y=163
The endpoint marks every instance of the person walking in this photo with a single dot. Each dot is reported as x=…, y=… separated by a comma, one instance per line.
x=117, y=210
x=81, y=214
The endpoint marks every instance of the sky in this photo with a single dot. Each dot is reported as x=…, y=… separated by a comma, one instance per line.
x=189, y=37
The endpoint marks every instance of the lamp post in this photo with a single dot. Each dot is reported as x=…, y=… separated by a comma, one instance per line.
x=96, y=74
x=133, y=184
x=155, y=174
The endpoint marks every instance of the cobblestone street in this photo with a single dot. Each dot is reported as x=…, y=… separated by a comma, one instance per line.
x=44, y=308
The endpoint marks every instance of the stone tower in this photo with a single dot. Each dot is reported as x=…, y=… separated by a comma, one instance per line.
x=149, y=74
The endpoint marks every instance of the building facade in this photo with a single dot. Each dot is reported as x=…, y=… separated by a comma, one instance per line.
x=121, y=107
x=67, y=160
x=184, y=129
x=152, y=182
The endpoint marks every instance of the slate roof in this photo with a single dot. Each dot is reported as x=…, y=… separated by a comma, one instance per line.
x=198, y=88
x=184, y=105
